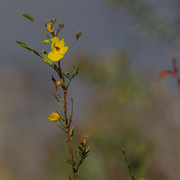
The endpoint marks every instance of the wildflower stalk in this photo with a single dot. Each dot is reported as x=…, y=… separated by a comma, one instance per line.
x=58, y=50
x=73, y=44
x=61, y=77
x=66, y=121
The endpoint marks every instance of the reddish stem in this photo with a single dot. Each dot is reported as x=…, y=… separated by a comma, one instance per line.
x=66, y=121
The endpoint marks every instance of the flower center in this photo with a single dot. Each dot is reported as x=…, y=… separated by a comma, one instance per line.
x=57, y=48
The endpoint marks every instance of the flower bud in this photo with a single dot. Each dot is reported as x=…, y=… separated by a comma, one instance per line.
x=46, y=41
x=51, y=21
x=54, y=84
x=61, y=25
x=54, y=20
x=78, y=34
x=54, y=117
x=50, y=27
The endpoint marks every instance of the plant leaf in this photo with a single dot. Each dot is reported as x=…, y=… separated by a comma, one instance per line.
x=72, y=163
x=72, y=131
x=28, y=17
x=56, y=69
x=56, y=97
x=70, y=74
x=61, y=127
x=46, y=59
x=22, y=44
x=35, y=52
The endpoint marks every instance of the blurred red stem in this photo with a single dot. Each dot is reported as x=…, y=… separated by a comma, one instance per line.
x=128, y=164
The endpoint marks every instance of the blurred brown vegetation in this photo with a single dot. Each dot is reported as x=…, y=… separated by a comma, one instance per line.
x=126, y=110
x=129, y=110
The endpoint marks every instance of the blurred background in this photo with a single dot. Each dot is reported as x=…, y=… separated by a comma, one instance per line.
x=119, y=102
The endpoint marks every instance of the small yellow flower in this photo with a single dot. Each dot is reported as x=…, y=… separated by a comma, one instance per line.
x=58, y=49
x=54, y=117
x=50, y=27
x=58, y=83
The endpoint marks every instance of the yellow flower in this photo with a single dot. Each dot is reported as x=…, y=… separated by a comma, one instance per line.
x=50, y=27
x=58, y=49
x=58, y=83
x=54, y=117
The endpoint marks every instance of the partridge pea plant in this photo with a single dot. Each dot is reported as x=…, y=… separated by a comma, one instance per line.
x=61, y=116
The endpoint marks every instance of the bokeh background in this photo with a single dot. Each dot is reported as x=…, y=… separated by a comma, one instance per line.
x=119, y=102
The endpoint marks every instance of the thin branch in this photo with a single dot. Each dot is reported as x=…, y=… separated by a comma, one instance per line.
x=41, y=30
x=66, y=121
x=72, y=44
x=124, y=156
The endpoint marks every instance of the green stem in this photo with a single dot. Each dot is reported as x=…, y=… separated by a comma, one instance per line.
x=72, y=44
x=41, y=30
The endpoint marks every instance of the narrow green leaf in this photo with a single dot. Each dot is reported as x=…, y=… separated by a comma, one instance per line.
x=84, y=157
x=45, y=53
x=77, y=157
x=56, y=97
x=28, y=48
x=19, y=42
x=87, y=149
x=61, y=25
x=87, y=154
x=28, y=17
x=22, y=44
x=60, y=127
x=72, y=163
x=71, y=114
x=35, y=52
x=72, y=131
x=46, y=59
x=56, y=69
x=62, y=122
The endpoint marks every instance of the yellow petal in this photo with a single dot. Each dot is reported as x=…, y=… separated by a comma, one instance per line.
x=63, y=50
x=54, y=56
x=53, y=46
x=54, y=39
x=50, y=28
x=61, y=42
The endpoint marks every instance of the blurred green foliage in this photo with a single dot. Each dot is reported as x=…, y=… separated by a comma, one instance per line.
x=123, y=110
x=153, y=17
x=112, y=124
